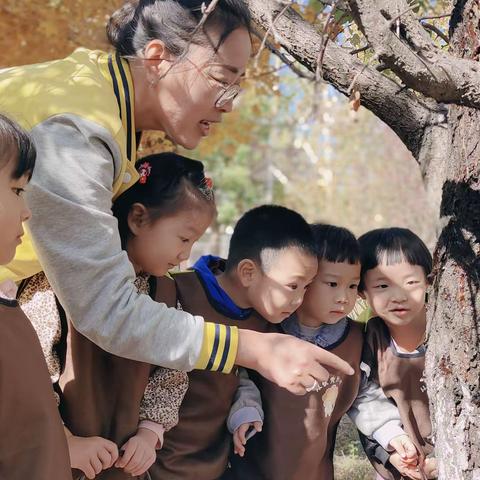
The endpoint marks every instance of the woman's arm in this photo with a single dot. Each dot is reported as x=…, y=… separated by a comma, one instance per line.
x=78, y=244
x=77, y=241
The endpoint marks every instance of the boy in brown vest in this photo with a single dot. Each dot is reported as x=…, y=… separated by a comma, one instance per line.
x=32, y=443
x=271, y=261
x=395, y=268
x=298, y=436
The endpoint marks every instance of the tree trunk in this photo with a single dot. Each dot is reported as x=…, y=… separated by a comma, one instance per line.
x=453, y=356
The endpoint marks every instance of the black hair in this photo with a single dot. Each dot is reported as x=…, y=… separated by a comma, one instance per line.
x=16, y=143
x=391, y=246
x=336, y=244
x=268, y=227
x=174, y=22
x=168, y=184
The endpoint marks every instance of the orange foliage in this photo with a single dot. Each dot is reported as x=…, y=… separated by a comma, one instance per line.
x=34, y=31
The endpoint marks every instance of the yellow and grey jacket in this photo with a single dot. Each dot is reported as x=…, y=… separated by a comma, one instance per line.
x=80, y=112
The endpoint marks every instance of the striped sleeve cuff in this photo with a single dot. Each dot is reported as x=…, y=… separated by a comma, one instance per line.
x=219, y=348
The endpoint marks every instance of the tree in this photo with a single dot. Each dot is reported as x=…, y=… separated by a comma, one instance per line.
x=428, y=93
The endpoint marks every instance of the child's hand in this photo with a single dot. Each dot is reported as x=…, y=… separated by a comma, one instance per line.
x=406, y=470
x=430, y=467
x=239, y=437
x=91, y=455
x=406, y=449
x=139, y=452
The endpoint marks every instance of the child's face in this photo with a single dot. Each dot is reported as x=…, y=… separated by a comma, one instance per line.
x=333, y=293
x=157, y=247
x=13, y=211
x=396, y=292
x=277, y=292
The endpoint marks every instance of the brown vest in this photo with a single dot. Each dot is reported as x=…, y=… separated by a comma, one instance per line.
x=102, y=392
x=298, y=436
x=402, y=380
x=32, y=440
x=197, y=448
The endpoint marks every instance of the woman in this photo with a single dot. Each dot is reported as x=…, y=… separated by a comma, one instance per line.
x=84, y=113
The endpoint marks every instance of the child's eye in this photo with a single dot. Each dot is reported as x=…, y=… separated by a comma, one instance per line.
x=18, y=191
x=382, y=285
x=184, y=240
x=354, y=286
x=293, y=287
x=332, y=284
x=412, y=282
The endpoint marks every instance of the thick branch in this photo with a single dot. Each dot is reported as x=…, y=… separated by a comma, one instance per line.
x=404, y=112
x=413, y=56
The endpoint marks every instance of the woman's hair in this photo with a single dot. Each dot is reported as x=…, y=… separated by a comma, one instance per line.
x=16, y=143
x=169, y=183
x=174, y=22
x=335, y=244
x=391, y=246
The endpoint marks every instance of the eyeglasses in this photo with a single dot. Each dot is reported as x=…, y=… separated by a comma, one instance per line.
x=230, y=92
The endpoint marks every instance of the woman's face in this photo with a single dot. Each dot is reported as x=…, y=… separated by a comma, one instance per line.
x=13, y=211
x=184, y=101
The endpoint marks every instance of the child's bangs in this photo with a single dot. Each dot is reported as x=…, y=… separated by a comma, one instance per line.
x=404, y=248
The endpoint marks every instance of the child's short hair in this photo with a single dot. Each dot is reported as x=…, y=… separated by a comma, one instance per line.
x=391, y=246
x=335, y=244
x=16, y=144
x=268, y=227
x=168, y=184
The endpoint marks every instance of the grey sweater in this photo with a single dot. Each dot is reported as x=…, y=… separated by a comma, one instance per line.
x=78, y=245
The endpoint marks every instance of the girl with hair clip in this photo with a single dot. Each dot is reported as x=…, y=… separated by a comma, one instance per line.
x=107, y=400
x=32, y=444
x=86, y=114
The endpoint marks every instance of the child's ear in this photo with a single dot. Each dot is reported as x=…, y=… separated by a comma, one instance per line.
x=137, y=217
x=247, y=271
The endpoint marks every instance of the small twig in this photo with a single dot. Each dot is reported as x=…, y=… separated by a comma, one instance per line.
x=266, y=73
x=434, y=17
x=409, y=9
x=355, y=78
x=285, y=59
x=360, y=50
x=433, y=28
x=323, y=43
x=270, y=27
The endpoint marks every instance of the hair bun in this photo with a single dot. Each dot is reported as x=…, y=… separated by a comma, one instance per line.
x=119, y=20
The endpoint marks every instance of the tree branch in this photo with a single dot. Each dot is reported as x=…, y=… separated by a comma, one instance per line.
x=413, y=56
x=436, y=30
x=407, y=114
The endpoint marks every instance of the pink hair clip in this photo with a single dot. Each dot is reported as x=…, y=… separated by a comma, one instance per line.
x=144, y=170
x=209, y=183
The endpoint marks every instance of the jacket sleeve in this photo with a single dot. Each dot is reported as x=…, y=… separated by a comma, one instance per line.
x=247, y=404
x=163, y=397
x=77, y=241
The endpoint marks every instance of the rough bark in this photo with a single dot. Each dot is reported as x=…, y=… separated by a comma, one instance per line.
x=453, y=358
x=412, y=55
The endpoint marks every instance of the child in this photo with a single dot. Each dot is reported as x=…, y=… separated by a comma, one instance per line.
x=32, y=444
x=395, y=268
x=108, y=400
x=270, y=263
x=298, y=436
